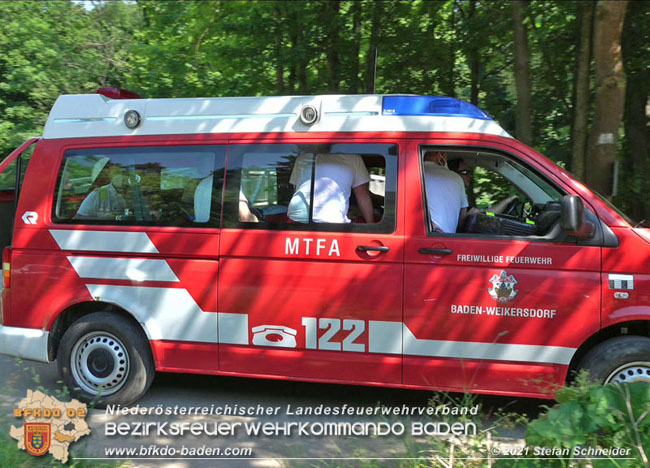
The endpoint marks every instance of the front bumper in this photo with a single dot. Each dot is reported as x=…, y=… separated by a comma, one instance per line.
x=26, y=343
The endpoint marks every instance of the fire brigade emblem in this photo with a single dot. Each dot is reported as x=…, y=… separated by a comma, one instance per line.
x=37, y=438
x=50, y=425
x=503, y=287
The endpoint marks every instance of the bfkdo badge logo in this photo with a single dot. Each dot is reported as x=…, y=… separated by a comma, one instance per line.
x=49, y=425
x=503, y=287
x=37, y=438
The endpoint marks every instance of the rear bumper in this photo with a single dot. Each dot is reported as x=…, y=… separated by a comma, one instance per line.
x=26, y=343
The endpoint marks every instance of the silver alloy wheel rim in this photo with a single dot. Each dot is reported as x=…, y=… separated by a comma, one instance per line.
x=631, y=372
x=99, y=363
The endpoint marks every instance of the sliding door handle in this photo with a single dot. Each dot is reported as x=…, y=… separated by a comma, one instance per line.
x=373, y=248
x=436, y=251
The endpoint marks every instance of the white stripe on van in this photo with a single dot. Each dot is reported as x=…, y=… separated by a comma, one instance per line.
x=103, y=241
x=172, y=314
x=397, y=338
x=233, y=328
x=165, y=313
x=385, y=337
x=130, y=269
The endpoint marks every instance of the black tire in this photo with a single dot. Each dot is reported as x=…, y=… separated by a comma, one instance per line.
x=104, y=359
x=620, y=359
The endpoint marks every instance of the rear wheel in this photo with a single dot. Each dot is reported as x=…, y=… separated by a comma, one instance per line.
x=106, y=359
x=621, y=359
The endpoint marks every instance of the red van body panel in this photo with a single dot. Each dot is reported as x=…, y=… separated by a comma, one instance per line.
x=630, y=259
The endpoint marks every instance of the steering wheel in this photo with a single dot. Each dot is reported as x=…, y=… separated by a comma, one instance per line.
x=513, y=208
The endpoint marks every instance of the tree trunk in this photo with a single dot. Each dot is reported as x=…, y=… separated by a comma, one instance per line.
x=356, y=56
x=636, y=114
x=474, y=58
x=300, y=54
x=279, y=67
x=447, y=84
x=332, y=19
x=371, y=55
x=524, y=109
x=580, y=131
x=292, y=20
x=610, y=95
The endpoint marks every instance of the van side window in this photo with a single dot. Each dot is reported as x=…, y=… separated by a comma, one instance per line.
x=8, y=176
x=157, y=186
x=9, y=196
x=502, y=196
x=319, y=187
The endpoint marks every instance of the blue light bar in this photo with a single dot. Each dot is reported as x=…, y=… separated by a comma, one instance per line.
x=431, y=105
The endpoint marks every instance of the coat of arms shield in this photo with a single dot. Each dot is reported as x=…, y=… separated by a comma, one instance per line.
x=503, y=287
x=37, y=438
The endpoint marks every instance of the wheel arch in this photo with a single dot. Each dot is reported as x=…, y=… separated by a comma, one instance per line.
x=75, y=312
x=632, y=327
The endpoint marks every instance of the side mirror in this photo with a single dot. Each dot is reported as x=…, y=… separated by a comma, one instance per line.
x=573, y=218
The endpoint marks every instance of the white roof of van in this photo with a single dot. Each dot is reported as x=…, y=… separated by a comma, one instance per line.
x=94, y=115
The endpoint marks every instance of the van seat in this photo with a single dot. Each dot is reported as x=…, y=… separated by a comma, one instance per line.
x=203, y=200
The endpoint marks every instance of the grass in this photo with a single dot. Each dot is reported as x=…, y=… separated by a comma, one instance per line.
x=12, y=456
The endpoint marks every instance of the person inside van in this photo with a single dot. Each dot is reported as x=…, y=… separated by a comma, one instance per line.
x=106, y=202
x=460, y=167
x=245, y=213
x=336, y=177
x=446, y=195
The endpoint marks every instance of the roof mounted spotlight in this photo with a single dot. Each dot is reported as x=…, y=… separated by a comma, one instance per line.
x=132, y=119
x=117, y=93
x=308, y=114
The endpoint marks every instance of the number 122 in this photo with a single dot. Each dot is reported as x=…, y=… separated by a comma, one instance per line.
x=332, y=326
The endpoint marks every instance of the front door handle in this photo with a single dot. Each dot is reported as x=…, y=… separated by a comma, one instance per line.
x=436, y=251
x=373, y=248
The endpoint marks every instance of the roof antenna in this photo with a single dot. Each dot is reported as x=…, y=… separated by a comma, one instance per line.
x=374, y=72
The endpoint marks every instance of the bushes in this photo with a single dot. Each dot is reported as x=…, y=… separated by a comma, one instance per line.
x=590, y=416
x=585, y=429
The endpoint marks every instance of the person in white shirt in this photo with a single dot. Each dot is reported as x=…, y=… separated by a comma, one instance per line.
x=446, y=197
x=336, y=176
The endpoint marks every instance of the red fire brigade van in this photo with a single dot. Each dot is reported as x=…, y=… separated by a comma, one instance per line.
x=191, y=235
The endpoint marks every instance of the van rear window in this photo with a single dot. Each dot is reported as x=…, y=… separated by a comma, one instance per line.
x=159, y=186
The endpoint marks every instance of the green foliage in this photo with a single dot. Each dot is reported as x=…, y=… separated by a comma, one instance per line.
x=49, y=49
x=552, y=32
x=589, y=415
x=460, y=48
x=8, y=178
x=490, y=188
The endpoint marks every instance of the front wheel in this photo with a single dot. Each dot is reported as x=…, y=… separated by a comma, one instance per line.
x=104, y=358
x=621, y=359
